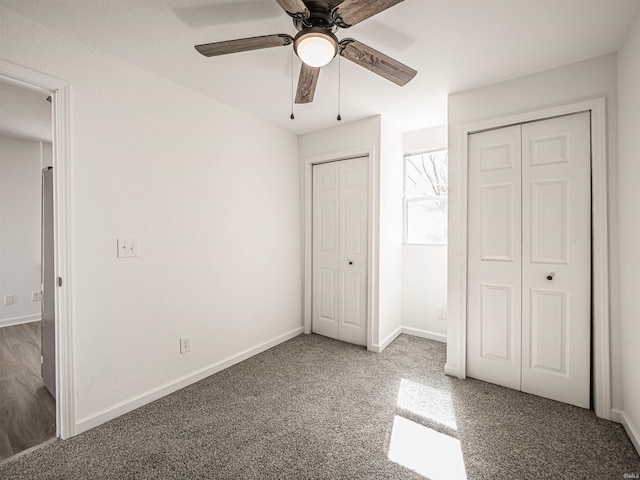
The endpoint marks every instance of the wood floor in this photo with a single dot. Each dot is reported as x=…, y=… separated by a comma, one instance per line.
x=27, y=409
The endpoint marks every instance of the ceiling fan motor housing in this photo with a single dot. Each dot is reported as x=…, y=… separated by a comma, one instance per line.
x=320, y=15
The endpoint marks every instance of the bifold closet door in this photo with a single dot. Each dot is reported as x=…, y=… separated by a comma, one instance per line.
x=556, y=258
x=339, y=250
x=494, y=257
x=529, y=258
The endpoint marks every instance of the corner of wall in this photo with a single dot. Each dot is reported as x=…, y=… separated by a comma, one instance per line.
x=632, y=430
x=629, y=229
x=149, y=396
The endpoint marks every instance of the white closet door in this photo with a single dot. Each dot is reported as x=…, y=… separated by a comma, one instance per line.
x=494, y=289
x=529, y=258
x=353, y=250
x=325, y=246
x=556, y=258
x=340, y=216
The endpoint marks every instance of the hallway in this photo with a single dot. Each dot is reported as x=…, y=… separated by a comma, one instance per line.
x=27, y=410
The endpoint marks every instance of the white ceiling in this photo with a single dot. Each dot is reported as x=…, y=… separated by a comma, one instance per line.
x=24, y=113
x=454, y=44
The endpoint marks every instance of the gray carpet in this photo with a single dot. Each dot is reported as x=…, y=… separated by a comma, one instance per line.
x=317, y=408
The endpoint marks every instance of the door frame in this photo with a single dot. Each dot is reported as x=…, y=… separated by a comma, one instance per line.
x=61, y=123
x=309, y=162
x=457, y=304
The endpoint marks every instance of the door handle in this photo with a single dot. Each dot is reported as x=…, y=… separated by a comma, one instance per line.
x=350, y=262
x=550, y=276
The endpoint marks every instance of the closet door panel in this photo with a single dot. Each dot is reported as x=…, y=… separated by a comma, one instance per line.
x=354, y=177
x=494, y=291
x=340, y=250
x=326, y=249
x=556, y=259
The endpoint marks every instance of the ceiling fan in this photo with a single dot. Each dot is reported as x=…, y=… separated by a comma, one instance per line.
x=316, y=43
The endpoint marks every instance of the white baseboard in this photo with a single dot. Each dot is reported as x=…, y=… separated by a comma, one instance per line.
x=451, y=371
x=126, y=406
x=417, y=332
x=378, y=348
x=8, y=322
x=634, y=434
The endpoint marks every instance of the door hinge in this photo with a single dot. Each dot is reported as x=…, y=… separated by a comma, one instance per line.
x=41, y=360
x=59, y=281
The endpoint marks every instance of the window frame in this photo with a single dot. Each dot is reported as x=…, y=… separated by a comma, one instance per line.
x=407, y=200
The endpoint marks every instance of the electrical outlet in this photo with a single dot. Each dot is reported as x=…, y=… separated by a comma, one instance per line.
x=9, y=299
x=185, y=344
x=36, y=296
x=128, y=247
x=442, y=313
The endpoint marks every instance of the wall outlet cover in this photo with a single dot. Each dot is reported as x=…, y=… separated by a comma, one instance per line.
x=36, y=296
x=9, y=299
x=128, y=247
x=185, y=344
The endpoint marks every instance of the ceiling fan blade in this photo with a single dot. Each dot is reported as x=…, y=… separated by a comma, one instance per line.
x=307, y=83
x=351, y=12
x=244, y=44
x=376, y=62
x=294, y=8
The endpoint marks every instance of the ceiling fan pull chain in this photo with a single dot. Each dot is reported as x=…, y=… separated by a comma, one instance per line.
x=292, y=117
x=339, y=90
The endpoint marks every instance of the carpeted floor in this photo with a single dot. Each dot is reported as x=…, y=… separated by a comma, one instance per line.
x=317, y=408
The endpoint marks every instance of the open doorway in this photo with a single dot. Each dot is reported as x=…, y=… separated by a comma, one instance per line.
x=27, y=368
x=59, y=92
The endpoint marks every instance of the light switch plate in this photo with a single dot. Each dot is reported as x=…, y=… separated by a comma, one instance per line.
x=128, y=247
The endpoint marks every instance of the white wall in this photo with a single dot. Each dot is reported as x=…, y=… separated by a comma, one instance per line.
x=386, y=141
x=342, y=137
x=46, y=154
x=20, y=206
x=568, y=84
x=424, y=267
x=419, y=141
x=629, y=199
x=391, y=192
x=213, y=196
x=401, y=307
x=360, y=136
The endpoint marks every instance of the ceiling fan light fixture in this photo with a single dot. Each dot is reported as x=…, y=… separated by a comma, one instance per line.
x=316, y=46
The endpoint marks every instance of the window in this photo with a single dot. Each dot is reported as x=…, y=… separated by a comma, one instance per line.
x=426, y=178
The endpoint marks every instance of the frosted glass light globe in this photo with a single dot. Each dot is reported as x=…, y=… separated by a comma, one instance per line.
x=316, y=50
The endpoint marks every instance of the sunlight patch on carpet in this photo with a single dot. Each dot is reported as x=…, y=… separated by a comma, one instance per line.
x=427, y=402
x=430, y=453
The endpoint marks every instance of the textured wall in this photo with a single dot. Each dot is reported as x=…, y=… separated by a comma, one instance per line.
x=424, y=267
x=20, y=183
x=211, y=193
x=629, y=195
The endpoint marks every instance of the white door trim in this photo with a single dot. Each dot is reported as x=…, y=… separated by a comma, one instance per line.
x=457, y=307
x=61, y=111
x=369, y=151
